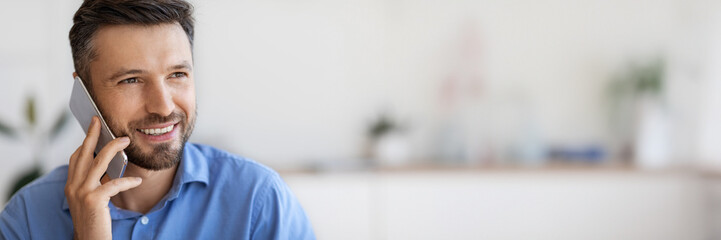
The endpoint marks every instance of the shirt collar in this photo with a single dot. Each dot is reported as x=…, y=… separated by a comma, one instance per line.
x=193, y=168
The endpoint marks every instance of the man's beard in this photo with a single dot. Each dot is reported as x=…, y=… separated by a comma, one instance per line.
x=162, y=155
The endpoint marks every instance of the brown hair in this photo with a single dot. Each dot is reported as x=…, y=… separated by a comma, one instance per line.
x=94, y=14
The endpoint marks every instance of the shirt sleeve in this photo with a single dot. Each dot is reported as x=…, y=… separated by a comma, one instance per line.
x=13, y=223
x=279, y=214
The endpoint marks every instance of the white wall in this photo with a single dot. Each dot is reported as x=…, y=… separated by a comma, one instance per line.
x=35, y=59
x=300, y=81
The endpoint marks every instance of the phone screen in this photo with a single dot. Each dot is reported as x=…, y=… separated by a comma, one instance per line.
x=83, y=108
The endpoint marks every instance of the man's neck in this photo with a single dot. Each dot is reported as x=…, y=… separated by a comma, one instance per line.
x=155, y=186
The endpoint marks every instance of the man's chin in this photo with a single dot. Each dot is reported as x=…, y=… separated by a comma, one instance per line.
x=157, y=156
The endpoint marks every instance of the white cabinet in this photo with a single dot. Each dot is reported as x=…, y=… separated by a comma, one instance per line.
x=514, y=204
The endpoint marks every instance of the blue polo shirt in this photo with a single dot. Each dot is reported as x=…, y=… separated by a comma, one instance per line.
x=215, y=195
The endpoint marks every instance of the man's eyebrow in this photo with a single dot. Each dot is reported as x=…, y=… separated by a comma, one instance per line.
x=182, y=65
x=123, y=72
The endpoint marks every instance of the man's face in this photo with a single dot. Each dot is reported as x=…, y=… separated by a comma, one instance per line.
x=142, y=81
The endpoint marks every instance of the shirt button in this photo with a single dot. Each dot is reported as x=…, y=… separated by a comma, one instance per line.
x=144, y=220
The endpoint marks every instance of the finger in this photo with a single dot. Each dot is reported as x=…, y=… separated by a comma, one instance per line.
x=71, y=164
x=118, y=185
x=100, y=164
x=88, y=148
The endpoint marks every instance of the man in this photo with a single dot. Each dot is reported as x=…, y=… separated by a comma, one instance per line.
x=136, y=59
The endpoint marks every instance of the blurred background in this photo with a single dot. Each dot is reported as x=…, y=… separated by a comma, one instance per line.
x=458, y=119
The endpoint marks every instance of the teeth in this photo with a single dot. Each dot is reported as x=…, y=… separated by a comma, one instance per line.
x=157, y=131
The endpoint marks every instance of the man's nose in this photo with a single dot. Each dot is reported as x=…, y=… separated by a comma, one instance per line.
x=159, y=99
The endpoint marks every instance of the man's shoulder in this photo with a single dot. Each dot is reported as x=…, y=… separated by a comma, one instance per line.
x=229, y=166
x=46, y=192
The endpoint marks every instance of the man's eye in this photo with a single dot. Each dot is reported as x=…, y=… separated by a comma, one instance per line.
x=129, y=80
x=178, y=74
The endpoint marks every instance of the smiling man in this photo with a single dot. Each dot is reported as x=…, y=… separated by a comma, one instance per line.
x=136, y=59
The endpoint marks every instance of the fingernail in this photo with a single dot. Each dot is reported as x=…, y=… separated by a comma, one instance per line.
x=124, y=139
x=92, y=124
x=95, y=119
x=139, y=179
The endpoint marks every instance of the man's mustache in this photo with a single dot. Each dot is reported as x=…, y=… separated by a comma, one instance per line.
x=155, y=118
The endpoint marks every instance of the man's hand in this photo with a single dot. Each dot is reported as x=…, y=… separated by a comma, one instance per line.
x=87, y=197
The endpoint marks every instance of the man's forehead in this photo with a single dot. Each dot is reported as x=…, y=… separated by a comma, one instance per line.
x=138, y=46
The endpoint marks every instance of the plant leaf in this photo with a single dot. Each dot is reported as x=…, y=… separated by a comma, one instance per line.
x=30, y=111
x=7, y=130
x=24, y=179
x=59, y=125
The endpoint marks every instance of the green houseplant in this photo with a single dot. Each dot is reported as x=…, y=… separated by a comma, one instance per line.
x=37, y=136
x=639, y=119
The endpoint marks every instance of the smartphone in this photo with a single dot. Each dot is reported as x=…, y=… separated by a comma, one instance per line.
x=84, y=108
